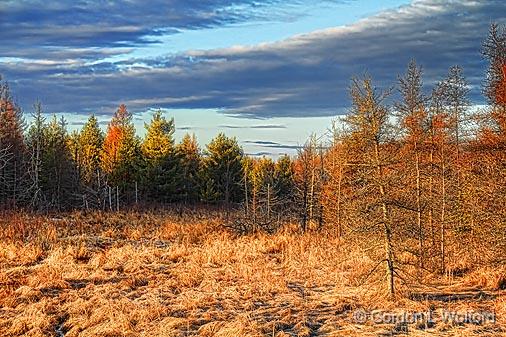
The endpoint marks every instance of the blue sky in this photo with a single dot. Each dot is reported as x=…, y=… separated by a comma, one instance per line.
x=268, y=72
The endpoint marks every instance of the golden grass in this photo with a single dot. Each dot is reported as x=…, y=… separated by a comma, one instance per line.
x=160, y=275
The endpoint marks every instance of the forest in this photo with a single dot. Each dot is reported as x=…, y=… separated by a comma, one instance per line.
x=412, y=178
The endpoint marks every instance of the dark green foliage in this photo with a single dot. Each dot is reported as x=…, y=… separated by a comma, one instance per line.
x=53, y=173
x=190, y=161
x=162, y=173
x=222, y=170
x=59, y=181
x=12, y=149
x=284, y=177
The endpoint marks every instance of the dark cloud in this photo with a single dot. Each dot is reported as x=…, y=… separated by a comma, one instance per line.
x=57, y=27
x=188, y=128
x=261, y=154
x=306, y=75
x=267, y=126
x=272, y=145
x=260, y=142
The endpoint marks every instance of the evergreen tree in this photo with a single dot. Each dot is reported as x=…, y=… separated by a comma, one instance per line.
x=90, y=142
x=36, y=144
x=493, y=128
x=190, y=161
x=58, y=179
x=263, y=192
x=159, y=141
x=222, y=168
x=162, y=175
x=284, y=177
x=304, y=181
x=12, y=146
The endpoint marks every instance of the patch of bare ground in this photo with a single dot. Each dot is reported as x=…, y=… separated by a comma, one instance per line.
x=158, y=275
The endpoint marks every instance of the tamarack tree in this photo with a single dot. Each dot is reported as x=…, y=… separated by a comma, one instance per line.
x=370, y=132
x=120, y=158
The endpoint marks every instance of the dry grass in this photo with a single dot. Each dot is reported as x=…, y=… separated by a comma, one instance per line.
x=161, y=275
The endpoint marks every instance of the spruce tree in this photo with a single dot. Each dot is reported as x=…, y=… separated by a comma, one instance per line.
x=36, y=144
x=190, y=161
x=90, y=143
x=12, y=168
x=222, y=166
x=284, y=177
x=162, y=173
x=58, y=179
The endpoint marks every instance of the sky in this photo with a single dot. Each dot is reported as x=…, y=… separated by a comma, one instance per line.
x=270, y=72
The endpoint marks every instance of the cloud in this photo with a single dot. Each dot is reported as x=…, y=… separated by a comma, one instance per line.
x=306, y=75
x=56, y=26
x=266, y=126
x=272, y=145
x=261, y=154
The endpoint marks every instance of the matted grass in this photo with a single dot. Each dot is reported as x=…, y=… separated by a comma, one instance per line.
x=148, y=274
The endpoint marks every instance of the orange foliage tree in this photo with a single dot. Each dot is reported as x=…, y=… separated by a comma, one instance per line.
x=120, y=150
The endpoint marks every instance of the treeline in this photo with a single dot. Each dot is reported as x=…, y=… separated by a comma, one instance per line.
x=44, y=167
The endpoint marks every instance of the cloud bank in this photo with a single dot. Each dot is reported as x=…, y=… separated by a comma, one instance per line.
x=306, y=75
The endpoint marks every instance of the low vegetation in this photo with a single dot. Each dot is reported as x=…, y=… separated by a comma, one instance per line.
x=187, y=274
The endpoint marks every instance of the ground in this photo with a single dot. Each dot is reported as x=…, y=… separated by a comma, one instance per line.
x=163, y=274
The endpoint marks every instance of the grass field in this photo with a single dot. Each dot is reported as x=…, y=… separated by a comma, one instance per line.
x=167, y=275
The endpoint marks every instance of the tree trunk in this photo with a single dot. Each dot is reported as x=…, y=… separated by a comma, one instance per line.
x=419, y=211
x=443, y=206
x=431, y=182
x=246, y=209
x=386, y=224
x=339, y=182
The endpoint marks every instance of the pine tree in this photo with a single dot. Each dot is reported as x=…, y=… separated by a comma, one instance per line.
x=305, y=174
x=439, y=123
x=284, y=177
x=58, y=175
x=222, y=166
x=163, y=172
x=261, y=187
x=90, y=142
x=159, y=141
x=190, y=161
x=455, y=97
x=493, y=129
x=12, y=146
x=36, y=145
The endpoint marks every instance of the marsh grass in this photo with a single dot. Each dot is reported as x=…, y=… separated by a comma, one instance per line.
x=160, y=274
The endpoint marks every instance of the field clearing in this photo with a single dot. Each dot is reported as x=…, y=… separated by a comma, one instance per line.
x=147, y=274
